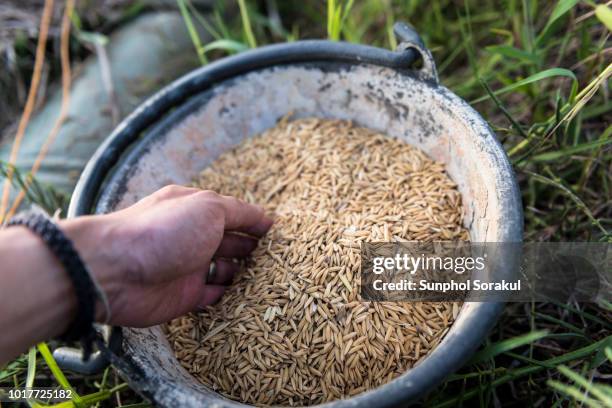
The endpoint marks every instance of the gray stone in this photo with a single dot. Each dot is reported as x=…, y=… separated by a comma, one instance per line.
x=143, y=56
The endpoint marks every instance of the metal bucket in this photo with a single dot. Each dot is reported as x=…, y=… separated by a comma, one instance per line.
x=184, y=127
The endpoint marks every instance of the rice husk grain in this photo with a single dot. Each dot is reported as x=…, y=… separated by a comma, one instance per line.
x=291, y=330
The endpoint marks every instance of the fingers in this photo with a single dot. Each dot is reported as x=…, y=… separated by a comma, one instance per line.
x=185, y=295
x=245, y=217
x=235, y=246
x=260, y=228
x=223, y=272
x=239, y=215
x=144, y=306
x=211, y=295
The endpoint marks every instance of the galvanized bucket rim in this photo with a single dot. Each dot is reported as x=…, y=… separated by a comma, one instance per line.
x=420, y=379
x=204, y=78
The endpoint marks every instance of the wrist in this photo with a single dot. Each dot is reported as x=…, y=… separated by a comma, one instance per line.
x=33, y=271
x=106, y=259
x=37, y=297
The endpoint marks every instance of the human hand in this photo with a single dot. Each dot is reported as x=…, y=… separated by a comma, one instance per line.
x=152, y=259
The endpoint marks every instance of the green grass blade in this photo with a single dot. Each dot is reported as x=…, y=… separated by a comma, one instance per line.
x=581, y=99
x=574, y=392
x=92, y=37
x=337, y=13
x=579, y=353
x=523, y=371
x=549, y=73
x=457, y=377
x=586, y=384
x=15, y=367
x=584, y=315
x=204, y=22
x=246, y=24
x=577, y=103
x=331, y=7
x=229, y=46
x=505, y=111
x=562, y=7
x=96, y=397
x=562, y=153
x=345, y=13
x=20, y=184
x=507, y=345
x=528, y=31
x=604, y=14
x=43, y=196
x=86, y=400
x=601, y=358
x=31, y=371
x=515, y=53
x=579, y=203
x=529, y=360
x=605, y=304
x=56, y=371
x=221, y=25
x=31, y=367
x=65, y=404
x=193, y=33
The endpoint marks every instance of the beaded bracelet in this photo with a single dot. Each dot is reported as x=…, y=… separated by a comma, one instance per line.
x=85, y=286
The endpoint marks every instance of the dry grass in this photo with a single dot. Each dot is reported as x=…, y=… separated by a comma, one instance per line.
x=292, y=330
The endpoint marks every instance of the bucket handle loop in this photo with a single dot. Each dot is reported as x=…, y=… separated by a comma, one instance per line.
x=410, y=39
x=70, y=358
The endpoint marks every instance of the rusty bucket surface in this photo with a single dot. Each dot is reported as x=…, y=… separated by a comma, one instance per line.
x=184, y=127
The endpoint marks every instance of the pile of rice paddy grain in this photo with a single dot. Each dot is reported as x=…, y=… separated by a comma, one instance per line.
x=291, y=330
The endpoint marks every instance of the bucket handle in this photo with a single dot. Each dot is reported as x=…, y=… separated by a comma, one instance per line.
x=410, y=39
x=70, y=358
